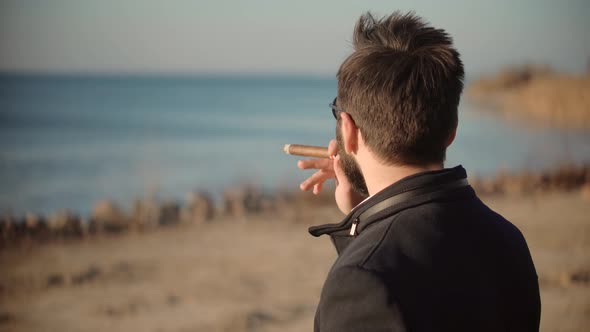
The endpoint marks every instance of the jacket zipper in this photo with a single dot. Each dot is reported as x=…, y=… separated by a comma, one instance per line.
x=353, y=227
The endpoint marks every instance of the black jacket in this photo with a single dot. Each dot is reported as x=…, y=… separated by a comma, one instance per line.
x=437, y=259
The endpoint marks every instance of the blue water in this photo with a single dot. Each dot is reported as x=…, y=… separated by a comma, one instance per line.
x=67, y=141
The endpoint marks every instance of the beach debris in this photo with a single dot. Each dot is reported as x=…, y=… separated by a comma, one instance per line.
x=257, y=318
x=146, y=214
x=575, y=278
x=65, y=224
x=108, y=217
x=581, y=277
x=88, y=275
x=55, y=279
x=6, y=317
x=169, y=213
x=172, y=299
x=234, y=202
x=7, y=232
x=241, y=201
x=36, y=227
x=199, y=208
x=253, y=199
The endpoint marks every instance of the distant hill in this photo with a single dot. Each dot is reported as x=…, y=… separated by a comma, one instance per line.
x=537, y=92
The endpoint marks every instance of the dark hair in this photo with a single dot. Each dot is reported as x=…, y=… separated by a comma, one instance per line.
x=402, y=86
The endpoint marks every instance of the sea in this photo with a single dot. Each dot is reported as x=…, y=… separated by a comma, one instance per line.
x=67, y=141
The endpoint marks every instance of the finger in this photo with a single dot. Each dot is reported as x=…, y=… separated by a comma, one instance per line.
x=319, y=176
x=333, y=148
x=317, y=188
x=314, y=163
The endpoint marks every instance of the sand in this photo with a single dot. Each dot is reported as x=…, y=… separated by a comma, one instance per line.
x=261, y=273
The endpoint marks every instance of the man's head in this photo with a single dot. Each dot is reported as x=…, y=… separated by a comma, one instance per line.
x=401, y=87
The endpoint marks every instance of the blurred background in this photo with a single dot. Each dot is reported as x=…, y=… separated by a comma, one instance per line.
x=119, y=98
x=121, y=115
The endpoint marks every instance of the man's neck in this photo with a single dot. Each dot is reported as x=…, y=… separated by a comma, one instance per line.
x=379, y=176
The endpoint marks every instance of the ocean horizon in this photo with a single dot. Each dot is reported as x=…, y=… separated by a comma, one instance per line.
x=67, y=141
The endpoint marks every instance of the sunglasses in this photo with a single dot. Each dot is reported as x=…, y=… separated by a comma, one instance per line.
x=335, y=109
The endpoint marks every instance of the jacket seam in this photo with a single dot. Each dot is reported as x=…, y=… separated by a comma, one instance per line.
x=374, y=249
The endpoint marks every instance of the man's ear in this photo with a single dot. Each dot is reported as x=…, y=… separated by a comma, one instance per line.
x=349, y=133
x=451, y=137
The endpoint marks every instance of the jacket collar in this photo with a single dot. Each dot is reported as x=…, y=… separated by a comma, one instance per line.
x=421, y=181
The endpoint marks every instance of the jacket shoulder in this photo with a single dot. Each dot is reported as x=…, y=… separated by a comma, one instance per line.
x=406, y=234
x=413, y=235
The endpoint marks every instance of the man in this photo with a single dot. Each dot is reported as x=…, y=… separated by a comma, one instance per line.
x=422, y=252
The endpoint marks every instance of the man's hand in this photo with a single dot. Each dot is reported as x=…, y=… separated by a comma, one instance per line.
x=325, y=169
x=346, y=197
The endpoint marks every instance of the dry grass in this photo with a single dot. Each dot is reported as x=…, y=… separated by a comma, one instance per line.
x=537, y=93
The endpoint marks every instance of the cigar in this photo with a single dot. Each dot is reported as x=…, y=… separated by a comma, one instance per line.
x=306, y=150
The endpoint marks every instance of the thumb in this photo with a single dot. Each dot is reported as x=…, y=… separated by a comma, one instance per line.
x=341, y=178
x=333, y=147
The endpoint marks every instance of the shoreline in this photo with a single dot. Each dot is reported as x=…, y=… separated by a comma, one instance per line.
x=239, y=203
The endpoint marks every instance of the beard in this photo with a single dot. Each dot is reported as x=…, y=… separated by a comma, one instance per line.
x=351, y=167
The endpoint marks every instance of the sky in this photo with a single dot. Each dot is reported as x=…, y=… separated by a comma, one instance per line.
x=273, y=36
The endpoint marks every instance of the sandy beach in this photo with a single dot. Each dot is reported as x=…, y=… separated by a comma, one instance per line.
x=257, y=273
